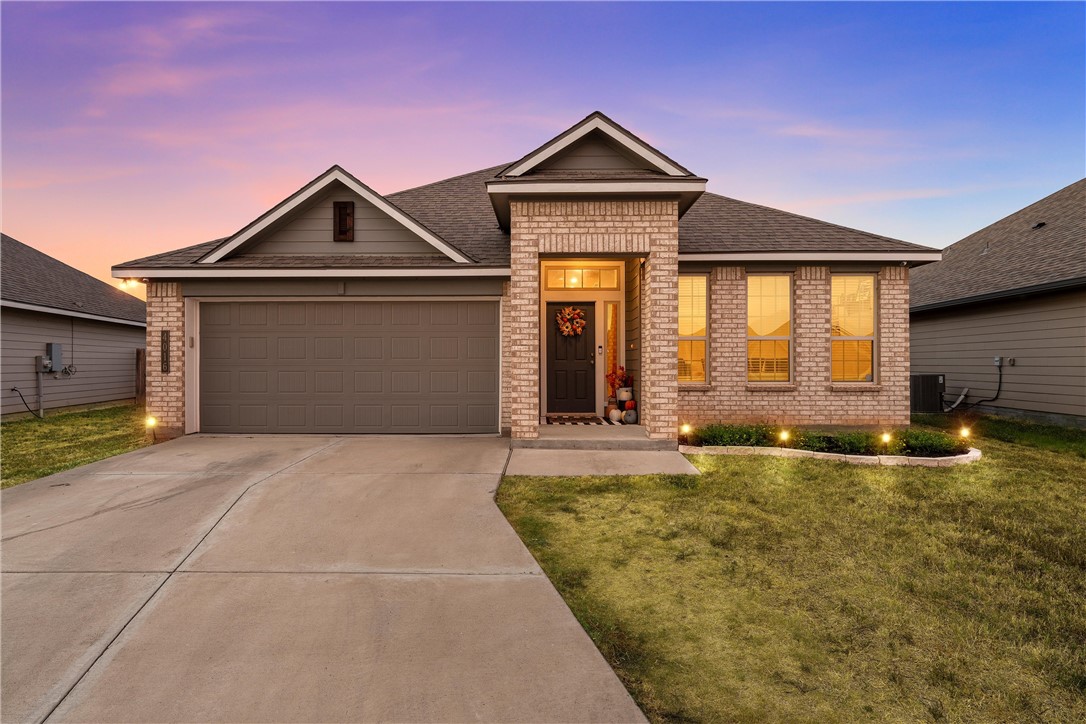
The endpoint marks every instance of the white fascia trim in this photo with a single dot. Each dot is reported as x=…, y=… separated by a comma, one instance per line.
x=597, y=124
x=816, y=256
x=301, y=273
x=585, y=187
x=373, y=198
x=67, y=313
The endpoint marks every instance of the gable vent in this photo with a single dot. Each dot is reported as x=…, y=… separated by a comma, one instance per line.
x=343, y=221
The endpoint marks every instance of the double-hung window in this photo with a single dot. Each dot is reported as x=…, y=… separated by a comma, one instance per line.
x=852, y=345
x=769, y=327
x=692, y=327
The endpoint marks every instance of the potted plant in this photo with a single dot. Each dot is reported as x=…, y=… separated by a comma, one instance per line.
x=620, y=384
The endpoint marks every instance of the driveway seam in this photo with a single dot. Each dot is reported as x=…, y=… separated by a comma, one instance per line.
x=170, y=575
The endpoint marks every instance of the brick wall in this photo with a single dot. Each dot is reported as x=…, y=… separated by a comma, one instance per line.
x=811, y=398
x=556, y=228
x=166, y=390
x=506, y=343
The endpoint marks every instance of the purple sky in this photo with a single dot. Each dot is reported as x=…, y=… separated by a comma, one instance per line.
x=134, y=128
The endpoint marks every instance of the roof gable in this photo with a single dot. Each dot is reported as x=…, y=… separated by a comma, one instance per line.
x=596, y=129
x=313, y=193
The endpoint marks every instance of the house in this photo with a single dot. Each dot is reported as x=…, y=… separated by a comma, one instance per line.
x=98, y=329
x=440, y=308
x=1003, y=315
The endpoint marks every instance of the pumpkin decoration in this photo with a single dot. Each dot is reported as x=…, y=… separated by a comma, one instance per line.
x=571, y=321
x=631, y=404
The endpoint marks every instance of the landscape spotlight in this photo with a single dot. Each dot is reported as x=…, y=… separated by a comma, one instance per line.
x=685, y=429
x=784, y=436
x=150, y=421
x=886, y=437
x=964, y=432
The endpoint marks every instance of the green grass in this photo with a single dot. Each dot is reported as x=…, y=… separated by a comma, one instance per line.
x=1032, y=434
x=773, y=589
x=32, y=448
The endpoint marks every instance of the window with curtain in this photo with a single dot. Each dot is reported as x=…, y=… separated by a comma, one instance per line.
x=692, y=327
x=769, y=327
x=852, y=346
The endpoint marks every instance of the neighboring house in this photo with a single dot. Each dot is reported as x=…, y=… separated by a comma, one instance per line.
x=99, y=328
x=434, y=309
x=1015, y=290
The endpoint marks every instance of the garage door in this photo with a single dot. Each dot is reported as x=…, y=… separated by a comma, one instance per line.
x=349, y=367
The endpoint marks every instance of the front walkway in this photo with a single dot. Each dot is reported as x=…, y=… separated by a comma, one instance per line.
x=287, y=579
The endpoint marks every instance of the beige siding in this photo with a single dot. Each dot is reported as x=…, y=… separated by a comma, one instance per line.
x=1045, y=335
x=104, y=355
x=309, y=231
x=591, y=153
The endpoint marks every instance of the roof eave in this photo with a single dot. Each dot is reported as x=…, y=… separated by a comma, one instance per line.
x=1062, y=285
x=687, y=189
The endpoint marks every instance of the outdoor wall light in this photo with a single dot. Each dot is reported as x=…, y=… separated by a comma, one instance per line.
x=784, y=435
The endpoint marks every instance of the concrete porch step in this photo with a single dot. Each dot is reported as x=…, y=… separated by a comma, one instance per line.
x=593, y=437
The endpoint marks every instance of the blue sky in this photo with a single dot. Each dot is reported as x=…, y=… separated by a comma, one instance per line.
x=166, y=124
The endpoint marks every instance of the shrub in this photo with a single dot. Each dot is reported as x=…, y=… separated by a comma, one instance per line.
x=856, y=443
x=753, y=435
x=916, y=443
x=928, y=444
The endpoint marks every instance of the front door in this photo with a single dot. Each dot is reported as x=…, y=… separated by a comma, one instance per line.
x=571, y=358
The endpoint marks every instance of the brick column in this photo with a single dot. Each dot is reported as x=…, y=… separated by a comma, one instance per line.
x=166, y=390
x=660, y=338
x=522, y=336
x=894, y=343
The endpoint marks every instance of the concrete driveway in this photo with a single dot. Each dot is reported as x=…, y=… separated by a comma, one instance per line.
x=287, y=579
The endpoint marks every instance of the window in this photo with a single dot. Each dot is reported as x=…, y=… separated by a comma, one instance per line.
x=852, y=347
x=588, y=278
x=769, y=328
x=692, y=324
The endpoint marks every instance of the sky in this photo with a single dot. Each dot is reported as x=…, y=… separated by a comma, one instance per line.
x=134, y=128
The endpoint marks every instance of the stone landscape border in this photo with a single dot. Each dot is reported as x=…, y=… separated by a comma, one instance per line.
x=785, y=452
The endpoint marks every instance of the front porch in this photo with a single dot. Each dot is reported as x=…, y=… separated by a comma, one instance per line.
x=593, y=437
x=616, y=264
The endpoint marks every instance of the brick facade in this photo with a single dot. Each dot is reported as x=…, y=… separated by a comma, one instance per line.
x=166, y=390
x=811, y=398
x=629, y=228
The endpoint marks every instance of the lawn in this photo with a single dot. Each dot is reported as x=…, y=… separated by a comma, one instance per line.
x=32, y=448
x=774, y=589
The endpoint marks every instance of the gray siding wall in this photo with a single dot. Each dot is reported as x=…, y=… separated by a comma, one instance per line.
x=633, y=322
x=1046, y=336
x=309, y=231
x=104, y=355
x=591, y=153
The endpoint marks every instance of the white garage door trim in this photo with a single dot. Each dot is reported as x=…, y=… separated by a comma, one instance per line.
x=192, y=338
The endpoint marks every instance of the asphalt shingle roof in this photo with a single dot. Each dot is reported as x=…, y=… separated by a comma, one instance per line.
x=459, y=211
x=1011, y=254
x=28, y=276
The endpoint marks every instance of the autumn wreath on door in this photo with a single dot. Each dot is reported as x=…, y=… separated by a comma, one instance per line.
x=571, y=321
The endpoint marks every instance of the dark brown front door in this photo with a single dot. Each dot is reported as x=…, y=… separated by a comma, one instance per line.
x=571, y=368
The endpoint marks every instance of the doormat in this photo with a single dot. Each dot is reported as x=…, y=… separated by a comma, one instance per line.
x=573, y=420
